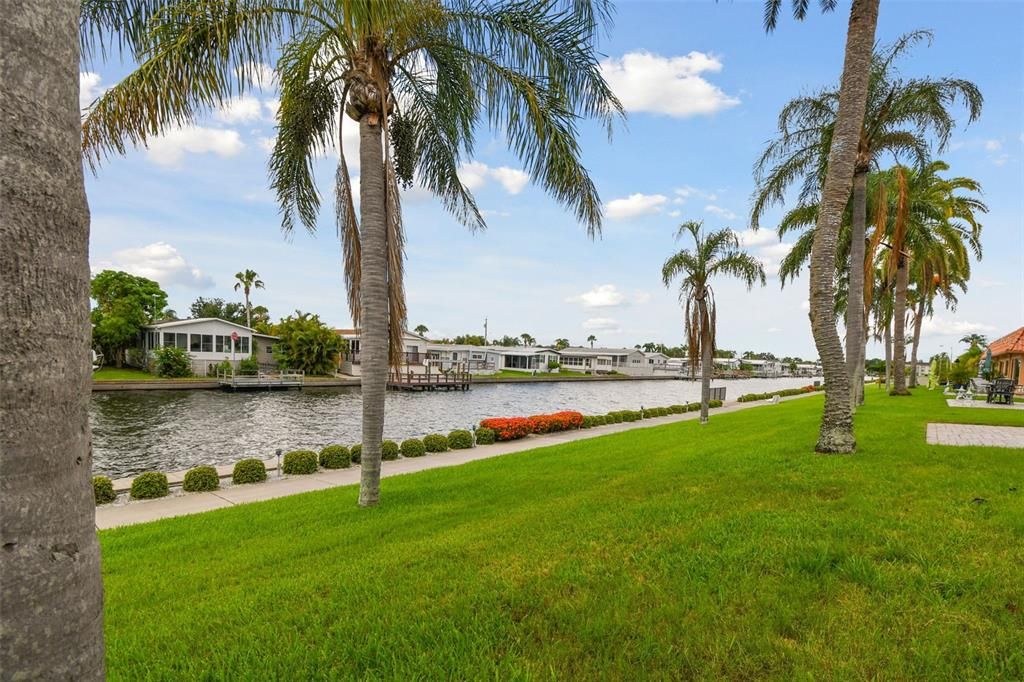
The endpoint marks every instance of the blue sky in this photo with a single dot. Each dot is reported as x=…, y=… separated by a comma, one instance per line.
x=703, y=85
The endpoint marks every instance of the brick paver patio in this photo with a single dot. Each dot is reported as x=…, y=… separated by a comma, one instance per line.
x=976, y=434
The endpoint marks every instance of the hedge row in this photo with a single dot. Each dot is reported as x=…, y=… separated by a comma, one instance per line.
x=619, y=416
x=751, y=397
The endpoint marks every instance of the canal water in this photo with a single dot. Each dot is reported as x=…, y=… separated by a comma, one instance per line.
x=136, y=431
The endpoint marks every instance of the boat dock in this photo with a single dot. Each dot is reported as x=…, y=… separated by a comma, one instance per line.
x=268, y=381
x=456, y=379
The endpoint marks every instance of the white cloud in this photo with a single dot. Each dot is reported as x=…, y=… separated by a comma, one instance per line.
x=160, y=262
x=675, y=214
x=686, y=191
x=473, y=175
x=601, y=324
x=993, y=145
x=263, y=75
x=240, y=110
x=272, y=105
x=773, y=330
x=88, y=88
x=635, y=205
x=487, y=213
x=641, y=297
x=944, y=326
x=512, y=179
x=267, y=143
x=762, y=237
x=719, y=211
x=602, y=296
x=169, y=149
x=672, y=86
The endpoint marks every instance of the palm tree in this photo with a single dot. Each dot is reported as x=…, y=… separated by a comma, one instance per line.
x=900, y=114
x=417, y=77
x=248, y=280
x=421, y=329
x=715, y=254
x=50, y=590
x=836, y=433
x=927, y=215
x=975, y=340
x=527, y=339
x=591, y=339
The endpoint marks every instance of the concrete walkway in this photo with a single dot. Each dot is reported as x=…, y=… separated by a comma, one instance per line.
x=976, y=434
x=180, y=503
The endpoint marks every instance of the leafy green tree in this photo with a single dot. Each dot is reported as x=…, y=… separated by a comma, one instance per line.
x=421, y=329
x=216, y=307
x=714, y=254
x=124, y=303
x=528, y=340
x=247, y=280
x=419, y=78
x=260, y=319
x=836, y=431
x=900, y=116
x=508, y=341
x=561, y=344
x=308, y=344
x=470, y=340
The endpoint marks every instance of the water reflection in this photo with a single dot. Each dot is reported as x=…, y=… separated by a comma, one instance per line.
x=135, y=431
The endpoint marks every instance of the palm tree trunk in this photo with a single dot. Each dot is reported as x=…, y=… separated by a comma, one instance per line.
x=855, y=335
x=836, y=434
x=899, y=333
x=706, y=369
x=888, y=355
x=248, y=310
x=51, y=595
x=373, y=288
x=918, y=320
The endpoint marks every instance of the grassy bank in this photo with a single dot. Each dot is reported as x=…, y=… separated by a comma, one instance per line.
x=678, y=551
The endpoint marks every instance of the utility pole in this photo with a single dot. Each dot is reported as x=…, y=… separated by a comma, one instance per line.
x=485, y=331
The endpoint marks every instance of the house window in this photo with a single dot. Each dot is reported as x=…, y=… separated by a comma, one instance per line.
x=181, y=341
x=243, y=344
x=207, y=343
x=572, y=361
x=195, y=343
x=168, y=339
x=220, y=344
x=270, y=349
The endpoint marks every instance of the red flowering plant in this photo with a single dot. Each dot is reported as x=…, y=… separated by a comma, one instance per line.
x=509, y=428
x=559, y=421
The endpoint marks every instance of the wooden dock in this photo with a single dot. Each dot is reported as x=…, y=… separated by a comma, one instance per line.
x=405, y=379
x=262, y=381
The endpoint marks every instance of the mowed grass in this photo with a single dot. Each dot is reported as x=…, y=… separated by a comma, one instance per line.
x=129, y=374
x=728, y=551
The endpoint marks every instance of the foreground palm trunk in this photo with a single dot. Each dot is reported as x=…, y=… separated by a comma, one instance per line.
x=373, y=345
x=918, y=320
x=836, y=434
x=706, y=370
x=899, y=330
x=51, y=596
x=887, y=340
x=855, y=334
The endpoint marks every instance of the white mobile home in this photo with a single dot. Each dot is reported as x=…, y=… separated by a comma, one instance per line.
x=604, y=360
x=209, y=341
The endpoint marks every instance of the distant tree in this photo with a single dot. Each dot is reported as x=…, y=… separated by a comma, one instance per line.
x=975, y=340
x=216, y=307
x=718, y=353
x=650, y=347
x=124, y=303
x=591, y=339
x=261, y=319
x=561, y=344
x=470, y=340
x=713, y=255
x=247, y=281
x=508, y=341
x=528, y=340
x=308, y=344
x=421, y=329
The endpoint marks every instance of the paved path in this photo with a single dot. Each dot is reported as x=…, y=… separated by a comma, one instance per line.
x=181, y=503
x=976, y=434
x=953, y=402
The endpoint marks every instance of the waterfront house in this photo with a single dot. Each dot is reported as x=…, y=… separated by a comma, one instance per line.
x=1008, y=355
x=209, y=341
x=414, y=346
x=605, y=360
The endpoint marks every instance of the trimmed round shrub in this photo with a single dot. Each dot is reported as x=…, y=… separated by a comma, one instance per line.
x=677, y=409
x=103, y=489
x=613, y=418
x=200, y=479
x=714, y=403
x=693, y=407
x=149, y=485
x=413, y=447
x=485, y=436
x=249, y=471
x=299, y=462
x=388, y=450
x=600, y=420
x=357, y=453
x=335, y=457
x=588, y=423
x=435, y=442
x=460, y=440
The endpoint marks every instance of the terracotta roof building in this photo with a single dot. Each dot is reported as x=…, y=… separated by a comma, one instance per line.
x=1008, y=355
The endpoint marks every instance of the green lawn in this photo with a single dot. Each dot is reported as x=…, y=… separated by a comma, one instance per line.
x=681, y=551
x=125, y=374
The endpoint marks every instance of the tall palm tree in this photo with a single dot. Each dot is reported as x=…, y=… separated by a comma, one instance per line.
x=248, y=280
x=527, y=339
x=421, y=329
x=979, y=340
x=927, y=214
x=417, y=77
x=715, y=254
x=836, y=433
x=51, y=594
x=899, y=117
x=591, y=339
